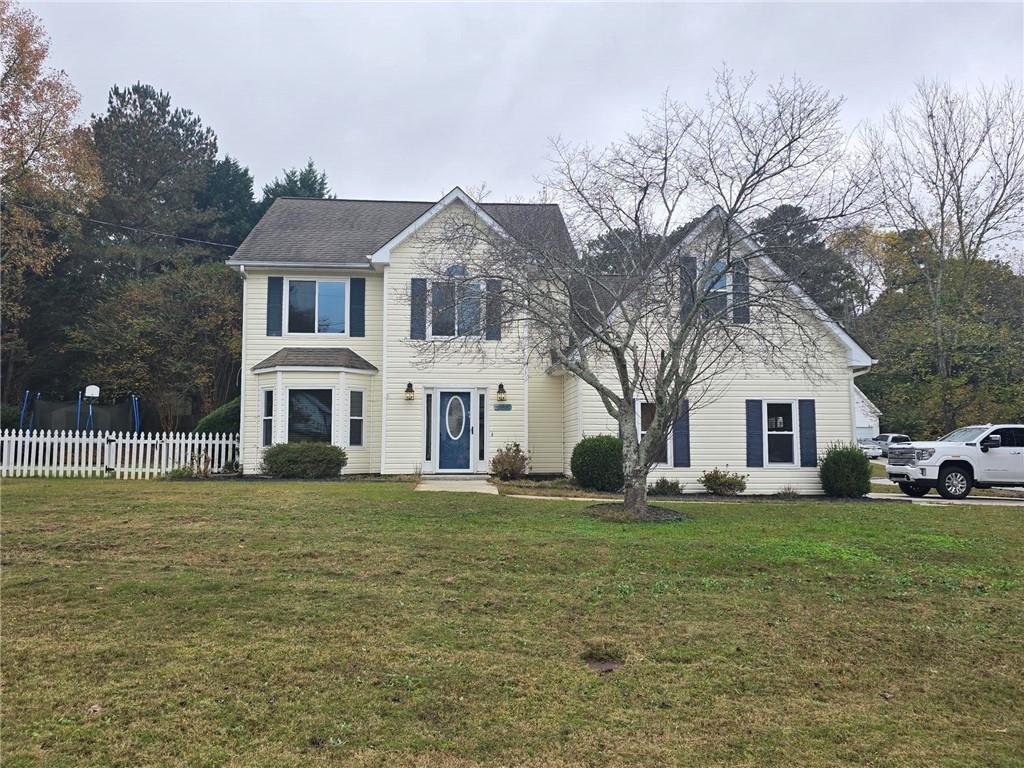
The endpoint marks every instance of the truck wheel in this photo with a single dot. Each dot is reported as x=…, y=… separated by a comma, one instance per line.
x=954, y=482
x=913, y=490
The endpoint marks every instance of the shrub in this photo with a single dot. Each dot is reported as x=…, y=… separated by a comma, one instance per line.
x=306, y=460
x=510, y=462
x=721, y=482
x=223, y=419
x=845, y=471
x=665, y=487
x=597, y=463
x=788, y=493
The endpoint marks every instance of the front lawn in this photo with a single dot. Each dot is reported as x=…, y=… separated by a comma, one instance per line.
x=295, y=624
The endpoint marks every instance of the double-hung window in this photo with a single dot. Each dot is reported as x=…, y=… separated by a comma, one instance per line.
x=718, y=288
x=267, y=419
x=356, y=417
x=310, y=415
x=456, y=306
x=317, y=306
x=780, y=433
x=645, y=417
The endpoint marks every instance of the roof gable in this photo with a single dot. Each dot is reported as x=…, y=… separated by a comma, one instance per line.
x=856, y=356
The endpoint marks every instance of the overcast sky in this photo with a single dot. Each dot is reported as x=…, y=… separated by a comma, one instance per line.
x=407, y=101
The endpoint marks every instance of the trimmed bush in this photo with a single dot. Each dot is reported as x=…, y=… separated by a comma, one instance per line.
x=510, y=462
x=224, y=419
x=597, y=463
x=310, y=461
x=721, y=482
x=665, y=487
x=845, y=471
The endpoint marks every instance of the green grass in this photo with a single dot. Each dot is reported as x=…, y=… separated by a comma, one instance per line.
x=359, y=624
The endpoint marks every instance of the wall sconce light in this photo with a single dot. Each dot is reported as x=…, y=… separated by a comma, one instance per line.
x=501, y=393
x=410, y=393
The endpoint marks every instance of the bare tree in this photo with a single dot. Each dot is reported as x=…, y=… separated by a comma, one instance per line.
x=951, y=169
x=643, y=300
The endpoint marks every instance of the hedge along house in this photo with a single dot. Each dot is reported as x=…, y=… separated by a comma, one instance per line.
x=339, y=321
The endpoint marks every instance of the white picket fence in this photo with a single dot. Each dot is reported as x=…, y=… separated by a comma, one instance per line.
x=44, y=453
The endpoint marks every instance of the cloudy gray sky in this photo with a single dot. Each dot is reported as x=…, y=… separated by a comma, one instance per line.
x=406, y=101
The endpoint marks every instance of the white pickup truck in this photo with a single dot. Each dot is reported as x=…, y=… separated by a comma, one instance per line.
x=982, y=456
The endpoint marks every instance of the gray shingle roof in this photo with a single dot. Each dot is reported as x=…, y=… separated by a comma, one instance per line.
x=318, y=357
x=345, y=232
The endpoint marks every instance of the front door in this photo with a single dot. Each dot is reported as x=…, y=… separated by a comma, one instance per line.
x=455, y=428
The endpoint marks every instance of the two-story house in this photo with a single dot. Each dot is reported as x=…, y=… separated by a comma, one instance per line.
x=336, y=314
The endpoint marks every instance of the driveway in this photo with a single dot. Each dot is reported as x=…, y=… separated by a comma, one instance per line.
x=935, y=500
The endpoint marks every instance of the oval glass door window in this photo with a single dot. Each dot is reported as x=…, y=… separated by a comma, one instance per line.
x=455, y=418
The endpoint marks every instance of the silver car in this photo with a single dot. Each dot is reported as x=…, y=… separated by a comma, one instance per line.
x=884, y=440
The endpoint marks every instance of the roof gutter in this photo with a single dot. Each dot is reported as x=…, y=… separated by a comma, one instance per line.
x=298, y=265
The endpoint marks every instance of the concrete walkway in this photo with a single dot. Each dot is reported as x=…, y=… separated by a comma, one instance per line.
x=457, y=484
x=935, y=500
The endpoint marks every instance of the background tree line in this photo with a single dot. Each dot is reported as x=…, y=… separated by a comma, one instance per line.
x=114, y=235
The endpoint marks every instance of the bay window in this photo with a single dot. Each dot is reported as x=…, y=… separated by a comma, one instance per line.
x=310, y=415
x=267, y=420
x=355, y=418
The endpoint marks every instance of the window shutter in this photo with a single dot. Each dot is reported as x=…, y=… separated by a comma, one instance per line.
x=493, y=311
x=755, y=434
x=357, y=306
x=741, y=293
x=681, y=437
x=275, y=295
x=808, y=435
x=687, y=278
x=418, y=317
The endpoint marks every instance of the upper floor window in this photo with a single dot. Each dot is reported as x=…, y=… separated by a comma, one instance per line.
x=456, y=308
x=317, y=306
x=718, y=287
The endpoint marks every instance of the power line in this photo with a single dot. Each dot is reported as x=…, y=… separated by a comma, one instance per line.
x=83, y=217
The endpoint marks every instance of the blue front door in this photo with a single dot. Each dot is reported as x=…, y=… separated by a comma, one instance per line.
x=455, y=429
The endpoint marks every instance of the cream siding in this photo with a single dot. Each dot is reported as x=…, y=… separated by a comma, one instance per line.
x=546, y=414
x=258, y=346
x=547, y=411
x=408, y=361
x=718, y=430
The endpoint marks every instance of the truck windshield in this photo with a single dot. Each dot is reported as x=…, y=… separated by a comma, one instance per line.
x=963, y=435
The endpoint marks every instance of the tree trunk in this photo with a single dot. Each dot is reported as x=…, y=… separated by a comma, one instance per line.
x=635, y=494
x=634, y=472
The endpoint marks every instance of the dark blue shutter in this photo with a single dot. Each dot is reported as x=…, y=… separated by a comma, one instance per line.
x=493, y=311
x=681, y=437
x=808, y=435
x=275, y=295
x=741, y=293
x=687, y=279
x=755, y=434
x=357, y=310
x=418, y=315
